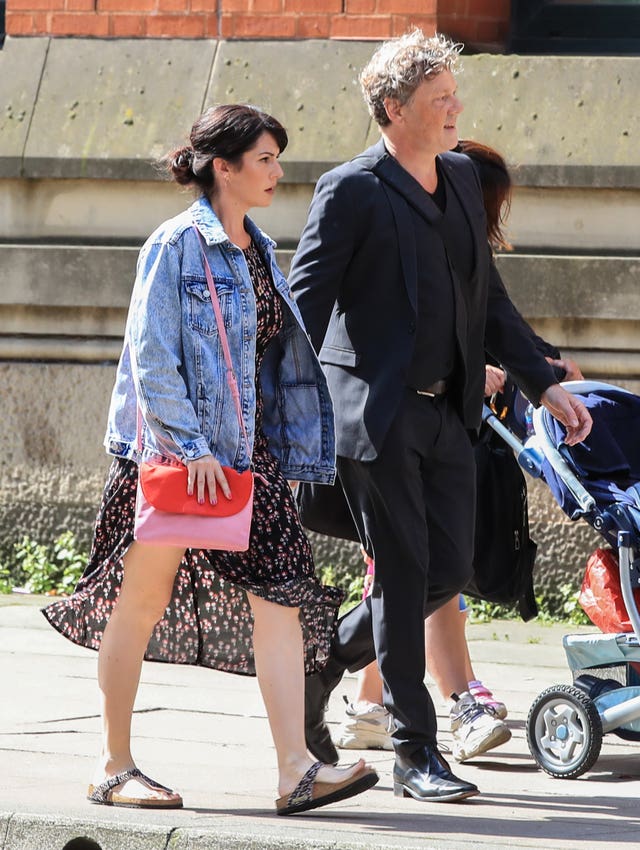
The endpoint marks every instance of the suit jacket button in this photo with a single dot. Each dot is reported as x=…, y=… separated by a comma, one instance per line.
x=412, y=328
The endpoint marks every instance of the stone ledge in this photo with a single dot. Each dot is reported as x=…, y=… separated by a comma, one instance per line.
x=572, y=286
x=307, y=172
x=577, y=176
x=101, y=277
x=69, y=303
x=66, y=275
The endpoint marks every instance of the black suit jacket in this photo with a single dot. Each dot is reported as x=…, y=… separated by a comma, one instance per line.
x=354, y=277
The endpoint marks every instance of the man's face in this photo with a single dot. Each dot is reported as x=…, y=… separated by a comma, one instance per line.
x=429, y=116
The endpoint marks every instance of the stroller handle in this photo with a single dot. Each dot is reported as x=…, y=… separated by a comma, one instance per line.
x=585, y=500
x=527, y=455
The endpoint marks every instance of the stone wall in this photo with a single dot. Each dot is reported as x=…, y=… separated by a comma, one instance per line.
x=81, y=123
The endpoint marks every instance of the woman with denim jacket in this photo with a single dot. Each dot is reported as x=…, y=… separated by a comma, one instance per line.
x=259, y=612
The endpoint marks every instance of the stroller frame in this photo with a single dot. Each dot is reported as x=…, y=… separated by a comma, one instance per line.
x=566, y=723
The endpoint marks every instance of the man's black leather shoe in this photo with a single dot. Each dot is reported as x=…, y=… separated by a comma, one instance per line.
x=316, y=698
x=425, y=775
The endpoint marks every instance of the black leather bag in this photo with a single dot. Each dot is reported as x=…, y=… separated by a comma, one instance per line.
x=504, y=553
x=323, y=508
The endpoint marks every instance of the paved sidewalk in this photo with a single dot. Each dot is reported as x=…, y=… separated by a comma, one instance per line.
x=205, y=733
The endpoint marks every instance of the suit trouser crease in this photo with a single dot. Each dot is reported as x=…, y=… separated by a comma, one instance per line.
x=415, y=510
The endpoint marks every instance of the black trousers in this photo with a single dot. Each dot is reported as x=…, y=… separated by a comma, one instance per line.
x=415, y=510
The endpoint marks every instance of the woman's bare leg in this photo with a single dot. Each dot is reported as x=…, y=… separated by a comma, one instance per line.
x=149, y=573
x=448, y=659
x=369, y=685
x=278, y=652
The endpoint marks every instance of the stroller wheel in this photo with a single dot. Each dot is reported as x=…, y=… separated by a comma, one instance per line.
x=564, y=732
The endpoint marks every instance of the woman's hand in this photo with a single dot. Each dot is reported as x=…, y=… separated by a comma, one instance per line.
x=205, y=475
x=494, y=379
x=571, y=369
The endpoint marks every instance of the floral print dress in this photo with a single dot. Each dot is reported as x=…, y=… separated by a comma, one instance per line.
x=209, y=621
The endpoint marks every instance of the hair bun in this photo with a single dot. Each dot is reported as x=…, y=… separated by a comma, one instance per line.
x=181, y=165
x=184, y=158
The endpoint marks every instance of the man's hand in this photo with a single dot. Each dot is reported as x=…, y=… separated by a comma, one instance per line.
x=569, y=410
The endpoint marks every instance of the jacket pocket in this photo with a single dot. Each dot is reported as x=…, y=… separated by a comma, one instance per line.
x=337, y=356
x=200, y=313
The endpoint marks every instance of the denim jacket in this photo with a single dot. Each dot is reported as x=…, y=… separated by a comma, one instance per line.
x=180, y=375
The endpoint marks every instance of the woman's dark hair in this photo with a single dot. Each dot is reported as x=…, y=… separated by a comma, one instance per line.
x=226, y=131
x=495, y=181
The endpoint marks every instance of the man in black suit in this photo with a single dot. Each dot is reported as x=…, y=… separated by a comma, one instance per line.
x=396, y=284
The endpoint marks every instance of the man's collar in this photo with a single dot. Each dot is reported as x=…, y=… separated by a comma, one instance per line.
x=389, y=170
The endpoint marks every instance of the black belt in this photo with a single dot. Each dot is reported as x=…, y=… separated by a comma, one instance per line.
x=436, y=389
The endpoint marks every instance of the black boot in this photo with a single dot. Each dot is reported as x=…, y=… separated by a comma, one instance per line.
x=316, y=698
x=425, y=775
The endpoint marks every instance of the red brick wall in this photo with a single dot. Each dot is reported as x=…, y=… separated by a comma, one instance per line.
x=475, y=21
x=373, y=19
x=235, y=19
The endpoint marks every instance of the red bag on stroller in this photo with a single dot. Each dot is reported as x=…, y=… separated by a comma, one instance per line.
x=601, y=595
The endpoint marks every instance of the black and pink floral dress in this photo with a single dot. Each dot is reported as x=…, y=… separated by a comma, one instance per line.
x=209, y=621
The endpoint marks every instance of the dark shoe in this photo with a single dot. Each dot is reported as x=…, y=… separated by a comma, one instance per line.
x=316, y=698
x=425, y=775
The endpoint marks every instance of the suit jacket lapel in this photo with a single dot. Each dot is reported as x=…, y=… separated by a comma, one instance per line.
x=393, y=184
x=466, y=188
x=406, y=243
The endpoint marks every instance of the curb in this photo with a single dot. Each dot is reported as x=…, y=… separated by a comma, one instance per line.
x=37, y=832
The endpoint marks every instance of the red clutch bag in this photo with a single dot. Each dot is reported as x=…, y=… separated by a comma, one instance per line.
x=165, y=487
x=166, y=515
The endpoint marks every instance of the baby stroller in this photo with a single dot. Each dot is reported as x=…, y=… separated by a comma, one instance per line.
x=598, y=481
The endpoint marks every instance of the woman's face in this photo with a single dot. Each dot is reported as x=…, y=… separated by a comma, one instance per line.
x=252, y=182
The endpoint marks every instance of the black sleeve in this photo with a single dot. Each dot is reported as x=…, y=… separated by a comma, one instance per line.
x=513, y=343
x=323, y=254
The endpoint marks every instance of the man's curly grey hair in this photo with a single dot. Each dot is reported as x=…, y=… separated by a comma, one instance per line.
x=398, y=67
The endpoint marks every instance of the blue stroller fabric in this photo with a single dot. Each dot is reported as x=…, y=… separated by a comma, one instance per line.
x=608, y=461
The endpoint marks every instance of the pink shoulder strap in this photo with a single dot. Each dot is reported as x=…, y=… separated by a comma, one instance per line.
x=231, y=378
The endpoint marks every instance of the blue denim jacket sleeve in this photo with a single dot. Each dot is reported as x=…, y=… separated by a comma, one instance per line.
x=155, y=333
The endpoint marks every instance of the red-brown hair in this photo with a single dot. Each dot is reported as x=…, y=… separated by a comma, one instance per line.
x=496, y=189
